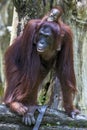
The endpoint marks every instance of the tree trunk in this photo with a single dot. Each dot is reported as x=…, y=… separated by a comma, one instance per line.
x=76, y=17
x=14, y=26
x=6, y=9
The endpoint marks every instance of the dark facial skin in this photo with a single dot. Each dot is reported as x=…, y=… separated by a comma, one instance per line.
x=45, y=44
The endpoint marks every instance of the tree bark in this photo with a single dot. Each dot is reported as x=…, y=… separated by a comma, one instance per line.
x=14, y=26
x=6, y=9
x=76, y=17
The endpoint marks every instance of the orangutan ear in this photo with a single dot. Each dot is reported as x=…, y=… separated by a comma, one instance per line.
x=35, y=39
x=60, y=44
x=59, y=47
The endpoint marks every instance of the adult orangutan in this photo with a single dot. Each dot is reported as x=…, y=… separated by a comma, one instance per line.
x=43, y=44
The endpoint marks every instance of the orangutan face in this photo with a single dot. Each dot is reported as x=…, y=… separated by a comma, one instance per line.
x=54, y=14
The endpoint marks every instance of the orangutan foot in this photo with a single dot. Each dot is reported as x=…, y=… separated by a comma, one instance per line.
x=18, y=107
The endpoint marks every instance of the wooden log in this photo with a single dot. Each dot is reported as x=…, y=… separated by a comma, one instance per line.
x=52, y=120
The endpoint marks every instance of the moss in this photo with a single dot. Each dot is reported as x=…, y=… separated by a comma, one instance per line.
x=1, y=92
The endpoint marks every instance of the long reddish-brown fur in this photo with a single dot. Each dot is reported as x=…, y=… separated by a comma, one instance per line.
x=22, y=64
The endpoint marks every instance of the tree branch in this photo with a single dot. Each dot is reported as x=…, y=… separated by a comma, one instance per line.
x=52, y=120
